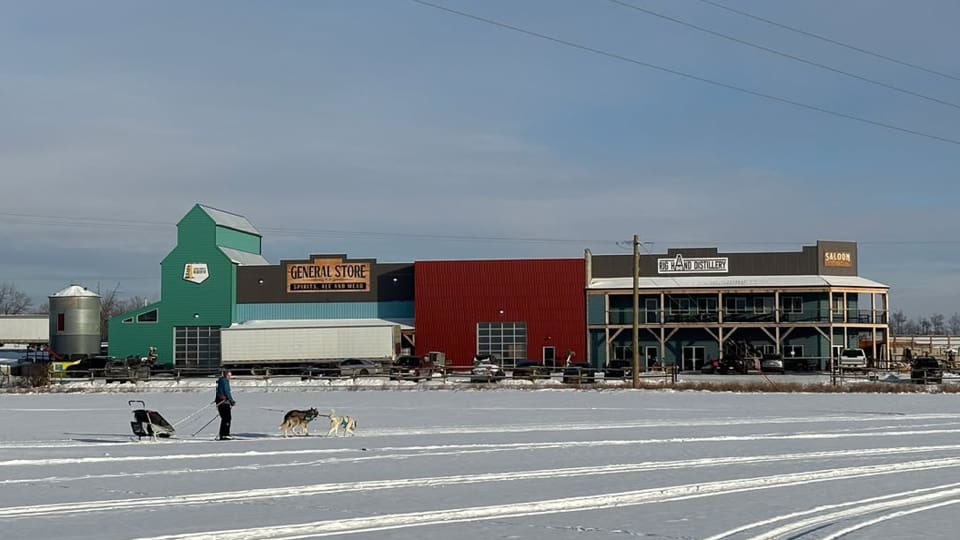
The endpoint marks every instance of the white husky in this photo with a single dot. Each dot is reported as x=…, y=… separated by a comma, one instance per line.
x=347, y=423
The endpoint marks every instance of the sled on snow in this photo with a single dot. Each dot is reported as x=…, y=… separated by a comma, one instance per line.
x=147, y=423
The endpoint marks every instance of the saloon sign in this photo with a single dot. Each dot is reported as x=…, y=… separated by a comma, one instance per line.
x=195, y=272
x=328, y=275
x=841, y=259
x=692, y=265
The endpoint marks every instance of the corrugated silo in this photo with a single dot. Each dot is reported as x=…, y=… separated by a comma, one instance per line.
x=75, y=322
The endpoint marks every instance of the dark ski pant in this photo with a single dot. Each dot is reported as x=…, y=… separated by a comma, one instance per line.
x=224, y=409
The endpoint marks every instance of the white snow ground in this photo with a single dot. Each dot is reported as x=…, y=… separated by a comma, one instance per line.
x=480, y=464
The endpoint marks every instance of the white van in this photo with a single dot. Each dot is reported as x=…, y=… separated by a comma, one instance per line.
x=853, y=358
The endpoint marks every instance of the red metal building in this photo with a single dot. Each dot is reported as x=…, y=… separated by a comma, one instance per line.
x=516, y=309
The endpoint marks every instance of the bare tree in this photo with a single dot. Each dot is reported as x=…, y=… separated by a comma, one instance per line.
x=954, y=324
x=911, y=328
x=112, y=304
x=936, y=324
x=925, y=326
x=898, y=320
x=12, y=300
x=42, y=309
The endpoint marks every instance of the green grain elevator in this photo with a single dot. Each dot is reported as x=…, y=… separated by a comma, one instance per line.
x=198, y=292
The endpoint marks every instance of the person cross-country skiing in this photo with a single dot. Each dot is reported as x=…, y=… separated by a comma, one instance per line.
x=224, y=403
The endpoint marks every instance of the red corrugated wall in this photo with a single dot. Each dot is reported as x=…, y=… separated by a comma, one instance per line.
x=453, y=296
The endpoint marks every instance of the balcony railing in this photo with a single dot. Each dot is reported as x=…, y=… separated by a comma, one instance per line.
x=854, y=316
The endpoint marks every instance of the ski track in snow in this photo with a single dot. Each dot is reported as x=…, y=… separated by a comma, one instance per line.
x=562, y=505
x=478, y=447
x=224, y=497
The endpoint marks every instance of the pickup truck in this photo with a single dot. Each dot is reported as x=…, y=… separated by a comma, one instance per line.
x=853, y=359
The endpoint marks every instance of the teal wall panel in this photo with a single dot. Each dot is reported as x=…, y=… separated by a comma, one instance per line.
x=242, y=241
x=598, y=350
x=596, y=308
x=326, y=310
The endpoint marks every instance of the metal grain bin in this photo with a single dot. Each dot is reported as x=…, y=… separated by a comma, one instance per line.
x=75, y=322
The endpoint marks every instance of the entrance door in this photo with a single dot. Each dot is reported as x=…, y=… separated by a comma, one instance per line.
x=550, y=356
x=651, y=308
x=693, y=358
x=652, y=355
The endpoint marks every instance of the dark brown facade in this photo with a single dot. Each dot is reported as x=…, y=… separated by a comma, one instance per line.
x=385, y=282
x=825, y=258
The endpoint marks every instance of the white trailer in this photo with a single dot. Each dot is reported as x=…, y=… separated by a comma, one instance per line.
x=24, y=330
x=264, y=344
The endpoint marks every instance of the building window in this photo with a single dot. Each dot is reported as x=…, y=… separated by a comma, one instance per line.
x=128, y=320
x=148, y=317
x=679, y=306
x=736, y=304
x=692, y=358
x=707, y=305
x=505, y=340
x=61, y=322
x=622, y=352
x=196, y=347
x=767, y=349
x=762, y=305
x=792, y=304
x=838, y=306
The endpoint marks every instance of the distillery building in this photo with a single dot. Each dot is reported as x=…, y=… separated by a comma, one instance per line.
x=699, y=304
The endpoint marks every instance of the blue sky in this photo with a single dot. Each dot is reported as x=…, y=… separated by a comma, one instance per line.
x=392, y=118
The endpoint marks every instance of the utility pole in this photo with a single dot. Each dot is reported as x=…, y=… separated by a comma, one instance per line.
x=636, y=311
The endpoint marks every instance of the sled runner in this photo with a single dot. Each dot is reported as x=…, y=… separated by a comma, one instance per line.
x=147, y=423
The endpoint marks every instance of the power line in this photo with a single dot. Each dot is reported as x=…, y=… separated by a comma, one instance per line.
x=428, y=236
x=75, y=221
x=783, y=54
x=829, y=40
x=84, y=222
x=685, y=75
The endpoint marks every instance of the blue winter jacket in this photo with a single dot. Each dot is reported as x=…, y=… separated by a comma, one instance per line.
x=223, y=391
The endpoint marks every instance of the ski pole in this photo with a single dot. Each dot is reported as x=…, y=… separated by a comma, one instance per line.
x=191, y=415
x=205, y=426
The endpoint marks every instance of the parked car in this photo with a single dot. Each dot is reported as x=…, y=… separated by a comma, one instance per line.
x=926, y=370
x=853, y=359
x=772, y=363
x=359, y=367
x=531, y=369
x=618, y=368
x=126, y=369
x=486, y=369
x=578, y=373
x=411, y=368
x=722, y=366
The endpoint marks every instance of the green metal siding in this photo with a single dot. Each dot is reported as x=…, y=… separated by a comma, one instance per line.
x=242, y=241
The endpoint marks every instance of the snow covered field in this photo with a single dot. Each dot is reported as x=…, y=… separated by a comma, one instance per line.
x=469, y=464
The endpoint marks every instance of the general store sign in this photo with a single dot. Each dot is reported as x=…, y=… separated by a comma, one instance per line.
x=328, y=275
x=195, y=272
x=842, y=259
x=693, y=265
